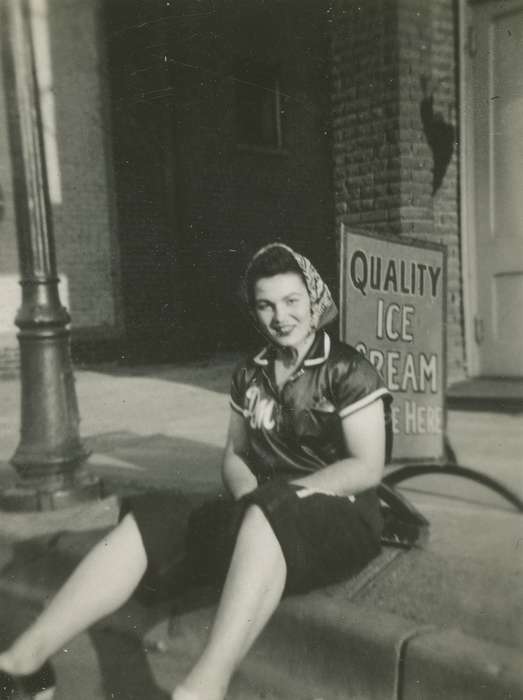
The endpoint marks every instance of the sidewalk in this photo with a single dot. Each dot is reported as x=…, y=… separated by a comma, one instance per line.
x=449, y=614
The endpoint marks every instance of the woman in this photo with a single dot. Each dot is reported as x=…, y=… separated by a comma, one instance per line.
x=305, y=450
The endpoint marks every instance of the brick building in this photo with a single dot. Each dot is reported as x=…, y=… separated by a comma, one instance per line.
x=183, y=134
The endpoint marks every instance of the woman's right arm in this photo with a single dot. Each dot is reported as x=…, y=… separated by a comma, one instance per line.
x=238, y=479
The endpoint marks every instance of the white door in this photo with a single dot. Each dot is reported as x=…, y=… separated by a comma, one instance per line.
x=495, y=108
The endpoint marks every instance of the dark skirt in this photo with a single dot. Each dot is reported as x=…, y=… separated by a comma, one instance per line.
x=324, y=538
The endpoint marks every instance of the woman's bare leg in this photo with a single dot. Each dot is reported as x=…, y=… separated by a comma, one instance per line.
x=252, y=591
x=100, y=584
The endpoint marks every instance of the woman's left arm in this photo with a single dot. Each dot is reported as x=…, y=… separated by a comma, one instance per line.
x=364, y=434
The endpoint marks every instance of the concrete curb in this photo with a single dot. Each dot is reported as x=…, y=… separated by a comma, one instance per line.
x=308, y=650
x=472, y=669
x=346, y=650
x=317, y=646
x=337, y=651
x=324, y=650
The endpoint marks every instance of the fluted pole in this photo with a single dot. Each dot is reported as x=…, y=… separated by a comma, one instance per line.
x=49, y=460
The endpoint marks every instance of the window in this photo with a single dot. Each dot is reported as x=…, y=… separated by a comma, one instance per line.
x=259, y=108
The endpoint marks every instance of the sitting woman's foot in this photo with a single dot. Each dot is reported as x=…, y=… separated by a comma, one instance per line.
x=204, y=682
x=181, y=693
x=204, y=691
x=39, y=685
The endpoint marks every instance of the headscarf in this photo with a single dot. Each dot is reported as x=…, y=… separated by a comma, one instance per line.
x=323, y=308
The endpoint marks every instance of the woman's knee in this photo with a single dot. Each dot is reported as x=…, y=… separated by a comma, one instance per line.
x=258, y=531
x=254, y=518
x=126, y=541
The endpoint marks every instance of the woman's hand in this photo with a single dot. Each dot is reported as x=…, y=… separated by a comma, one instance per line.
x=237, y=478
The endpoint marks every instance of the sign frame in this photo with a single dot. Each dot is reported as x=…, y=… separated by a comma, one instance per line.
x=411, y=243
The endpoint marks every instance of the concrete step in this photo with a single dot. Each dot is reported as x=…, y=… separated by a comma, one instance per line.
x=330, y=644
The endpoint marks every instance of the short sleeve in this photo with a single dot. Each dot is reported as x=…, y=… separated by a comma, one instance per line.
x=357, y=385
x=238, y=386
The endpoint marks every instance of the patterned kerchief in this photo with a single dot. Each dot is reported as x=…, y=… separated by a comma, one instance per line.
x=324, y=309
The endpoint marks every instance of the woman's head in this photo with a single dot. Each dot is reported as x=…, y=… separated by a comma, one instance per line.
x=274, y=259
x=286, y=295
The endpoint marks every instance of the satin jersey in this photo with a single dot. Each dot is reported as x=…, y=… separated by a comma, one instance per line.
x=297, y=429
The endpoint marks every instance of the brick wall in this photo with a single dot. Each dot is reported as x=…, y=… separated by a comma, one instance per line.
x=367, y=169
x=192, y=205
x=9, y=288
x=71, y=67
x=389, y=58
x=214, y=202
x=446, y=202
x=250, y=198
x=84, y=223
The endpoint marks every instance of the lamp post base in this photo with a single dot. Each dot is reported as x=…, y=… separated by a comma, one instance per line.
x=49, y=458
x=24, y=497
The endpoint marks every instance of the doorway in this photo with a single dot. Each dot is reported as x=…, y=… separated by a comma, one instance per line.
x=493, y=176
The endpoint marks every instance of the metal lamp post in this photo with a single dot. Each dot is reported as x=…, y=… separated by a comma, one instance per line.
x=50, y=456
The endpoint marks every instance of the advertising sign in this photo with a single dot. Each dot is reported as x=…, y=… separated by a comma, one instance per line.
x=393, y=311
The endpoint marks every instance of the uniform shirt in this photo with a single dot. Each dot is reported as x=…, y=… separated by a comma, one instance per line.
x=297, y=429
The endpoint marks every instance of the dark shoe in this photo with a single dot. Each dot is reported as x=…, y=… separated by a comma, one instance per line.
x=39, y=685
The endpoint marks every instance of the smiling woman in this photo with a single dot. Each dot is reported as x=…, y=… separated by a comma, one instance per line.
x=283, y=309
x=305, y=450
x=282, y=306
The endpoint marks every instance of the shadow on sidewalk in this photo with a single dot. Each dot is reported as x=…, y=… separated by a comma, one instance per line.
x=120, y=668
x=213, y=374
x=106, y=664
x=122, y=665
x=127, y=461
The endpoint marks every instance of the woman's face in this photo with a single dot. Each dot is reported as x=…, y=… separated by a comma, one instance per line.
x=283, y=308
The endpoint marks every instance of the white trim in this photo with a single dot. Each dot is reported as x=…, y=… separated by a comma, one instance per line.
x=466, y=175
x=235, y=406
x=326, y=352
x=259, y=360
x=305, y=492
x=365, y=401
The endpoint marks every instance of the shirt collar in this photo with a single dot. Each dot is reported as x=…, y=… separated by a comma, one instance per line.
x=318, y=352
